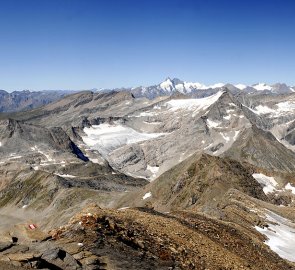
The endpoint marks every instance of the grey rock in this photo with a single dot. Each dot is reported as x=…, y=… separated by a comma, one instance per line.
x=4, y=246
x=61, y=259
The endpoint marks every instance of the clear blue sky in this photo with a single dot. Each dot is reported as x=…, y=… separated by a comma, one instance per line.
x=60, y=44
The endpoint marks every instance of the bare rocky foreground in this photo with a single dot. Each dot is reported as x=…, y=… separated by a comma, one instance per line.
x=142, y=239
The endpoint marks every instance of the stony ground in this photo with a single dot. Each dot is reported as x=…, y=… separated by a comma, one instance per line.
x=142, y=238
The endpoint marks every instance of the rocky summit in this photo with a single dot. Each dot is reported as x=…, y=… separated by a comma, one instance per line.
x=173, y=176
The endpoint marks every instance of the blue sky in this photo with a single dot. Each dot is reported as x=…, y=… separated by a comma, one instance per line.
x=60, y=44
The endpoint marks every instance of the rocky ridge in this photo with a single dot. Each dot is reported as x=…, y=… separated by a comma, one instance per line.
x=144, y=239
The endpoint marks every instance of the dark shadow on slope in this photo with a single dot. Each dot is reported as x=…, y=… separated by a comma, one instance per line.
x=76, y=150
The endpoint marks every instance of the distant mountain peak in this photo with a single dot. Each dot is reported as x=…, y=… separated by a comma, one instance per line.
x=262, y=86
x=167, y=85
x=177, y=81
x=240, y=86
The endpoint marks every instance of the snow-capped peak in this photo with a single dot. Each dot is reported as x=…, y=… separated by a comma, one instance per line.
x=186, y=87
x=241, y=86
x=167, y=85
x=216, y=85
x=201, y=86
x=195, y=104
x=262, y=86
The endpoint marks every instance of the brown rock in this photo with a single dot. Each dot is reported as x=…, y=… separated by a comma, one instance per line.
x=21, y=257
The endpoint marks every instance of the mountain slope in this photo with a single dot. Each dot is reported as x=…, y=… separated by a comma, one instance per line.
x=84, y=108
x=198, y=182
x=20, y=141
x=262, y=149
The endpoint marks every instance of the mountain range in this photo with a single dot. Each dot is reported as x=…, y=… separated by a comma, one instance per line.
x=195, y=89
x=173, y=176
x=26, y=100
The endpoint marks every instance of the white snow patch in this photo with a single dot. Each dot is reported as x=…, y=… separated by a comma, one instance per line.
x=194, y=105
x=167, y=85
x=123, y=208
x=188, y=86
x=230, y=110
x=153, y=170
x=226, y=138
x=180, y=87
x=157, y=107
x=152, y=123
x=268, y=183
x=286, y=106
x=66, y=175
x=236, y=135
x=35, y=148
x=282, y=107
x=211, y=144
x=290, y=187
x=227, y=117
x=262, y=86
x=196, y=85
x=212, y=124
x=281, y=235
x=260, y=109
x=216, y=85
x=240, y=86
x=143, y=114
x=147, y=195
x=15, y=157
x=106, y=138
x=95, y=160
